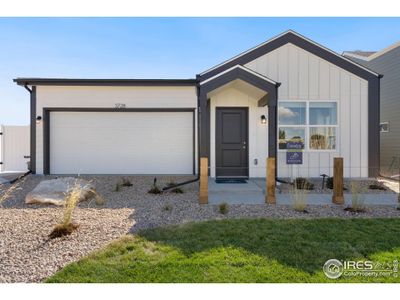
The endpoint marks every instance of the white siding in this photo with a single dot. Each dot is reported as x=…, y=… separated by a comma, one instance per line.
x=107, y=97
x=305, y=76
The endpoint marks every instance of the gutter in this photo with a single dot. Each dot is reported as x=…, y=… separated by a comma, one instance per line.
x=166, y=188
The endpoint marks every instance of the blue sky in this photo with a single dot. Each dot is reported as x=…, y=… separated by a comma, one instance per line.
x=154, y=47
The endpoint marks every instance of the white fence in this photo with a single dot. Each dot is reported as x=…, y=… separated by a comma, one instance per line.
x=14, y=148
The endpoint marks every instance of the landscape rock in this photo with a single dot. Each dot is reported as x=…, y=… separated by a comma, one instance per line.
x=54, y=191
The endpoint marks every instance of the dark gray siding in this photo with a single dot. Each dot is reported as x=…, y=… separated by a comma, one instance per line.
x=388, y=64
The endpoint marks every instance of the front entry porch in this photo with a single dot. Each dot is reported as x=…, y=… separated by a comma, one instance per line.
x=237, y=125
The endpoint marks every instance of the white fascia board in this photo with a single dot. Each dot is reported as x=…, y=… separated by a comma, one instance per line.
x=239, y=67
x=299, y=35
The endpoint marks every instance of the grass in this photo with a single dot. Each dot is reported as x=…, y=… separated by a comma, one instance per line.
x=240, y=250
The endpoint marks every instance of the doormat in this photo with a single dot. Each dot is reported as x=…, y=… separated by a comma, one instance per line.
x=230, y=180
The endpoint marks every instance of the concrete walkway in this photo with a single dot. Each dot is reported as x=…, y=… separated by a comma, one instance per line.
x=253, y=192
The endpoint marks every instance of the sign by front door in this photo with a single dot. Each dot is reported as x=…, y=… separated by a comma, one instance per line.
x=294, y=154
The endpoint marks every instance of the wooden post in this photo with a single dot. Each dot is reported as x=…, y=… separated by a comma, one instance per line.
x=270, y=181
x=337, y=196
x=203, y=199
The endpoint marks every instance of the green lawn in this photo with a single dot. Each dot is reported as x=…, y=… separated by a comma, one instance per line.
x=246, y=250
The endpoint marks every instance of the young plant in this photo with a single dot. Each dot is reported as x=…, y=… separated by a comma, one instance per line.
x=176, y=190
x=329, y=183
x=6, y=192
x=303, y=184
x=299, y=197
x=167, y=207
x=223, y=208
x=117, y=187
x=66, y=226
x=98, y=199
x=357, y=199
x=126, y=182
x=154, y=188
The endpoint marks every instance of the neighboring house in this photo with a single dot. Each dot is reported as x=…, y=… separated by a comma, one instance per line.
x=14, y=148
x=237, y=114
x=386, y=62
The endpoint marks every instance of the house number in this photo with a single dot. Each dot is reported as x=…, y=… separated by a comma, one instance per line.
x=120, y=105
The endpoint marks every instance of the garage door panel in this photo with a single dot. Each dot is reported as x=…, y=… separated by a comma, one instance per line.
x=121, y=142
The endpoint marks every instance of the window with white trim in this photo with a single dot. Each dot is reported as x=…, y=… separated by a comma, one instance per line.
x=314, y=123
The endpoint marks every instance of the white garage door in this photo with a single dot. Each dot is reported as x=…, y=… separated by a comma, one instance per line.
x=121, y=142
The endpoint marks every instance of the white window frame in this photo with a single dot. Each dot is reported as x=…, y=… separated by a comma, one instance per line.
x=307, y=126
x=388, y=127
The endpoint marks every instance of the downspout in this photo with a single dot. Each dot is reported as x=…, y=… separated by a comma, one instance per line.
x=30, y=134
x=198, y=144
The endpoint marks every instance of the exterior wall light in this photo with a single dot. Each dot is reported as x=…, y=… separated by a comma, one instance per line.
x=263, y=119
x=38, y=119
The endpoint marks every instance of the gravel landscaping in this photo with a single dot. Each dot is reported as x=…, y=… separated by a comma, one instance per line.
x=27, y=255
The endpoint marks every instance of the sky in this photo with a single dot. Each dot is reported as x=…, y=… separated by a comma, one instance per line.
x=154, y=47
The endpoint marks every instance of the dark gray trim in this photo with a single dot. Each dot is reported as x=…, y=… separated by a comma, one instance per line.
x=105, y=82
x=33, y=131
x=47, y=122
x=373, y=127
x=194, y=141
x=204, y=106
x=299, y=41
x=46, y=141
x=248, y=77
x=373, y=85
x=263, y=101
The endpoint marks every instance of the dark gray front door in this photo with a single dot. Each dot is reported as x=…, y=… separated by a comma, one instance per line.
x=231, y=142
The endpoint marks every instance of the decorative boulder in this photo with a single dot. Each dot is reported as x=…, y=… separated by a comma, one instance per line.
x=54, y=191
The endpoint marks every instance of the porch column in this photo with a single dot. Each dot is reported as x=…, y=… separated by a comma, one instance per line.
x=272, y=130
x=204, y=127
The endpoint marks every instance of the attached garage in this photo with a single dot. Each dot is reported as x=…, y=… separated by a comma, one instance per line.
x=119, y=142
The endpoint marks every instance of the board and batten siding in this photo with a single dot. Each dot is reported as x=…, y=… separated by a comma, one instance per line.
x=305, y=76
x=108, y=97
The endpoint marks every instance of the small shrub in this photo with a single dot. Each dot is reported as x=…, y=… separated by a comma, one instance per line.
x=117, y=187
x=303, y=184
x=177, y=190
x=377, y=186
x=61, y=230
x=98, y=199
x=6, y=193
x=126, y=182
x=155, y=189
x=223, y=208
x=329, y=183
x=357, y=200
x=299, y=197
x=167, y=207
x=66, y=226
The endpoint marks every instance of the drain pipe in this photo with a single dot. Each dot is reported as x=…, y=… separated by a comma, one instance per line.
x=198, y=144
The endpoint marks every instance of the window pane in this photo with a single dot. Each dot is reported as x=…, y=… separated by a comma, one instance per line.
x=323, y=113
x=323, y=138
x=292, y=113
x=290, y=134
